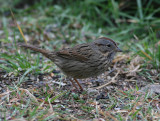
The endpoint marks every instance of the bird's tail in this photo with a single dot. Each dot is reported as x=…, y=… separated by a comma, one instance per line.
x=31, y=47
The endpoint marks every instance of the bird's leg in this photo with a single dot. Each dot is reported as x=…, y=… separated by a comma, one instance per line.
x=73, y=84
x=79, y=84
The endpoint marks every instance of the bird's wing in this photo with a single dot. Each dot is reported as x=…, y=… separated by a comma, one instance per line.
x=78, y=53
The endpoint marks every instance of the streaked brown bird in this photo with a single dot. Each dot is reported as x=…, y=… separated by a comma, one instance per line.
x=83, y=60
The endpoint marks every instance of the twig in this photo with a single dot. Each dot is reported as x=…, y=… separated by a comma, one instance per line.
x=107, y=114
x=5, y=93
x=51, y=108
x=30, y=95
x=112, y=81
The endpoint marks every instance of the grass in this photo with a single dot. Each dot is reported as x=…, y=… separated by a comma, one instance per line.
x=151, y=50
x=20, y=64
x=55, y=25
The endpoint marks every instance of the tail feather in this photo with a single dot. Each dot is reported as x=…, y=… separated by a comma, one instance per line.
x=31, y=47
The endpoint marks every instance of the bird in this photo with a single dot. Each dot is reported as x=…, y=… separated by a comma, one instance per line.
x=83, y=60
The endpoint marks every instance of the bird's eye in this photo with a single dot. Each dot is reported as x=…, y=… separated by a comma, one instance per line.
x=108, y=45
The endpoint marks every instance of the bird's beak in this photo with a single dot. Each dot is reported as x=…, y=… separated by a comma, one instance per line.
x=118, y=49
